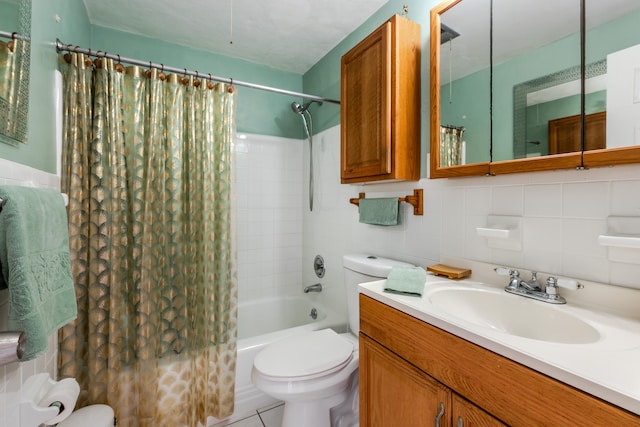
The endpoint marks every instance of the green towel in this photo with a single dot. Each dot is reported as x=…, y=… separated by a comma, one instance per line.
x=34, y=256
x=381, y=211
x=406, y=281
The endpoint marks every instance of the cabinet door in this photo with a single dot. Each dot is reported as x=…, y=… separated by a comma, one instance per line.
x=395, y=393
x=466, y=414
x=366, y=107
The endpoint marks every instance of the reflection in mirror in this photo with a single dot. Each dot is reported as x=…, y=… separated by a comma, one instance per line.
x=613, y=38
x=546, y=117
x=536, y=45
x=15, y=24
x=465, y=124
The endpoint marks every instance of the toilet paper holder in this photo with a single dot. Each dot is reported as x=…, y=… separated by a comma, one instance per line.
x=33, y=408
x=12, y=345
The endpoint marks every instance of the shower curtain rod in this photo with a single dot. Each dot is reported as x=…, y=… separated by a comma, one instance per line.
x=60, y=47
x=8, y=35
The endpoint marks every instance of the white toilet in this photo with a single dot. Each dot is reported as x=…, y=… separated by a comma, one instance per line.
x=92, y=415
x=316, y=371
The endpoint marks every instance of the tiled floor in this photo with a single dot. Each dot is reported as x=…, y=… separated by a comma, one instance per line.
x=268, y=417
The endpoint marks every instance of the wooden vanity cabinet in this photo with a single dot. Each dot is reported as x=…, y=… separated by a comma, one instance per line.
x=380, y=105
x=409, y=367
x=412, y=398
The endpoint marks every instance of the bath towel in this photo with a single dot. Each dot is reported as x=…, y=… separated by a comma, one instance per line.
x=34, y=256
x=406, y=281
x=381, y=211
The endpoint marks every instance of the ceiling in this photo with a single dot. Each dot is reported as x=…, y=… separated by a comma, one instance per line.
x=290, y=35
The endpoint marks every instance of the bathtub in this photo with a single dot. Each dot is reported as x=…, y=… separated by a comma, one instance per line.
x=267, y=320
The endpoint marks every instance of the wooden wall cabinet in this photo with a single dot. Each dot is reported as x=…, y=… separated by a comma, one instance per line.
x=380, y=105
x=408, y=369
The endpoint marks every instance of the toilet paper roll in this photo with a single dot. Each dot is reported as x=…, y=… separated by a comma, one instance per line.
x=63, y=394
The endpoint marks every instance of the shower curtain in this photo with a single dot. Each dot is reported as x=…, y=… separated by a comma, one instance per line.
x=147, y=164
x=14, y=84
x=451, y=145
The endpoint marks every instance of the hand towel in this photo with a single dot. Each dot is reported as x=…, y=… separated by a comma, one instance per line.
x=406, y=281
x=381, y=211
x=34, y=255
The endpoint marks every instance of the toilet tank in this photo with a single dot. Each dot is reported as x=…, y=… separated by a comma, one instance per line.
x=361, y=268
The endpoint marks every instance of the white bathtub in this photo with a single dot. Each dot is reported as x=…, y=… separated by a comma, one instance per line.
x=262, y=322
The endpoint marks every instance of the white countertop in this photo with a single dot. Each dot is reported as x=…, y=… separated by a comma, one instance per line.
x=608, y=368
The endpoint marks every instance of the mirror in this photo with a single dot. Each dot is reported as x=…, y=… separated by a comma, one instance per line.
x=465, y=123
x=460, y=116
x=613, y=39
x=15, y=24
x=536, y=98
x=535, y=52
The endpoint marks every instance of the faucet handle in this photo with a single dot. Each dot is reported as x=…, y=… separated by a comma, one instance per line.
x=572, y=284
x=552, y=286
x=506, y=271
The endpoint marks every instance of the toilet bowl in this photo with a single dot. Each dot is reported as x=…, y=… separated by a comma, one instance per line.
x=316, y=371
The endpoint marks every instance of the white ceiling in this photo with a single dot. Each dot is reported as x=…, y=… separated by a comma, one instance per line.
x=290, y=35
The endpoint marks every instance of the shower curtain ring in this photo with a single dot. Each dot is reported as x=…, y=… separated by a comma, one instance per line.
x=14, y=35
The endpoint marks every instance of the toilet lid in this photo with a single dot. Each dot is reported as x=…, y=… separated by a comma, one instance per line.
x=93, y=415
x=307, y=355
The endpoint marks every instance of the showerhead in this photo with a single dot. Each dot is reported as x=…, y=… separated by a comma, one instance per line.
x=299, y=109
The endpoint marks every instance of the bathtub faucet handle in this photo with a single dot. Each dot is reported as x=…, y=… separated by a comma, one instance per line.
x=313, y=288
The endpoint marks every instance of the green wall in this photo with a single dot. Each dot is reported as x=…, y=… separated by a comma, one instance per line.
x=8, y=16
x=39, y=151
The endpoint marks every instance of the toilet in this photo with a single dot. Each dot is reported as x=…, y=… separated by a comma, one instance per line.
x=316, y=371
x=93, y=415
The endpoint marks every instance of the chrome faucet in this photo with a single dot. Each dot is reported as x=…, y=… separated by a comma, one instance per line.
x=532, y=288
x=313, y=288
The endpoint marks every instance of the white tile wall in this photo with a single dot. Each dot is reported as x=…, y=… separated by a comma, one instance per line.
x=269, y=216
x=563, y=213
x=13, y=375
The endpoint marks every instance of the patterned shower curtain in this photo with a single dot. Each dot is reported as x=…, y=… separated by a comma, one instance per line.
x=451, y=145
x=147, y=165
x=14, y=84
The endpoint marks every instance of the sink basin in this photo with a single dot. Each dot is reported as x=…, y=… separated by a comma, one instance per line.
x=514, y=315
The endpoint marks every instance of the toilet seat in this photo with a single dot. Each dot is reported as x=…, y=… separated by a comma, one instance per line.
x=307, y=356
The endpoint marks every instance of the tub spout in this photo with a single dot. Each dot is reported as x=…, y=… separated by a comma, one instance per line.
x=313, y=288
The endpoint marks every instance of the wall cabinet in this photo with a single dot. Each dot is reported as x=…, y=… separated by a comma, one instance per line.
x=380, y=105
x=408, y=369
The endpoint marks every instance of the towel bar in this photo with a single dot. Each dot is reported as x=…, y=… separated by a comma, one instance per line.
x=414, y=200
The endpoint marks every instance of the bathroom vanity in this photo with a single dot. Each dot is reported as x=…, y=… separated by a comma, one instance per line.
x=413, y=373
